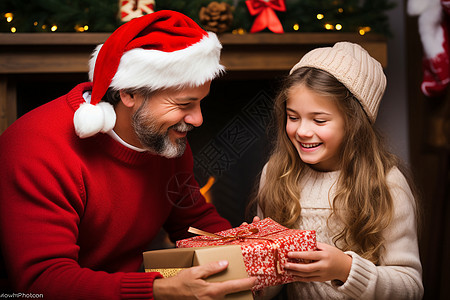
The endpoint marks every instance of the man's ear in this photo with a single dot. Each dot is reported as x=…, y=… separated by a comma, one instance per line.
x=127, y=99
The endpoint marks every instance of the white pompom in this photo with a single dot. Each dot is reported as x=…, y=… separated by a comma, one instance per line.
x=109, y=116
x=88, y=120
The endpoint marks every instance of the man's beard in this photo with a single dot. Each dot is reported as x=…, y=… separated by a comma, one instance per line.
x=155, y=140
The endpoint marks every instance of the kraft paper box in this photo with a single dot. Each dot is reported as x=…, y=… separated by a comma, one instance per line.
x=171, y=261
x=264, y=246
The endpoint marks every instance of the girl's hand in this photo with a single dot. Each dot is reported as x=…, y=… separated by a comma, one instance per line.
x=255, y=219
x=328, y=263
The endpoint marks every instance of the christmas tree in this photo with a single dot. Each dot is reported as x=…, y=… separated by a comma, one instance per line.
x=103, y=15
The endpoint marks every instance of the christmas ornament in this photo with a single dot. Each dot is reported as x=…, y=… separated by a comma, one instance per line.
x=216, y=17
x=130, y=9
x=266, y=17
x=434, y=25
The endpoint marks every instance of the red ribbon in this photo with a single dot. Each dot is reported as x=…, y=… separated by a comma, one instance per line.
x=240, y=235
x=266, y=17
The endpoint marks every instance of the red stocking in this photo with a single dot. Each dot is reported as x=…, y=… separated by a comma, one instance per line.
x=436, y=68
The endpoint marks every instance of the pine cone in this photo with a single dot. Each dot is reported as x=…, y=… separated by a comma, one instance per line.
x=216, y=17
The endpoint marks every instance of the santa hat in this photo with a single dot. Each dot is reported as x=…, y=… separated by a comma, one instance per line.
x=159, y=50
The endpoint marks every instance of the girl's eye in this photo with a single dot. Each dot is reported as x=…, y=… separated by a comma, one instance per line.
x=319, y=121
x=292, y=118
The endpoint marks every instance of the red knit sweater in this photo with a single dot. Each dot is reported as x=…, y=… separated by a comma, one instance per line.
x=76, y=214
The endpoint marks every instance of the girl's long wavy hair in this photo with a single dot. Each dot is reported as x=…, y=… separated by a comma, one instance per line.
x=362, y=203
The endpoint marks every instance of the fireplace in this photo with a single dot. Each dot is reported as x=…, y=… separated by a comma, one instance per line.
x=232, y=145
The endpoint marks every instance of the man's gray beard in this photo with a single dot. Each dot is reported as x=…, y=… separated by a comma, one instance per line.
x=155, y=141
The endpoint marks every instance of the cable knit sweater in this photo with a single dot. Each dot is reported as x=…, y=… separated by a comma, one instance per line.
x=76, y=214
x=399, y=275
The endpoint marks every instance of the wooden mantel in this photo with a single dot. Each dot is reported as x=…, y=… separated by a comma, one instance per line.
x=34, y=53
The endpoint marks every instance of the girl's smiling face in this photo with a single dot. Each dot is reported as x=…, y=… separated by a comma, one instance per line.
x=315, y=127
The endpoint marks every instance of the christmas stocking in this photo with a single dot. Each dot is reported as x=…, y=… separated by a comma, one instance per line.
x=433, y=29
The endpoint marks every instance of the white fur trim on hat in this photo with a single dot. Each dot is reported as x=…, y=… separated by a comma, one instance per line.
x=430, y=29
x=91, y=119
x=153, y=69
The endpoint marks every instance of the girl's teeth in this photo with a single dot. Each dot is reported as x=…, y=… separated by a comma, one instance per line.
x=310, y=145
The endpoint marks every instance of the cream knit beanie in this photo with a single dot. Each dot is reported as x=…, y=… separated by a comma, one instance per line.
x=353, y=67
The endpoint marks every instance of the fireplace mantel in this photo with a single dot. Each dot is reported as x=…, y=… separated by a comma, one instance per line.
x=37, y=53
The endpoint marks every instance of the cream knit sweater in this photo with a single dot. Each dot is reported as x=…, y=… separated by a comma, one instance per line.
x=399, y=276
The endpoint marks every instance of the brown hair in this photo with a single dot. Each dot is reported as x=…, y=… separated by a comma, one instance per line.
x=112, y=96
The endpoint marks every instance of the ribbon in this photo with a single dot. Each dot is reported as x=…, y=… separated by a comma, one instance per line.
x=266, y=17
x=240, y=235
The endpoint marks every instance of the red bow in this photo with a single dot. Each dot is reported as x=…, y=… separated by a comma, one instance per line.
x=266, y=15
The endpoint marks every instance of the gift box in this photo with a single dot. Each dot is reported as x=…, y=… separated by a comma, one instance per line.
x=169, y=262
x=264, y=247
x=130, y=9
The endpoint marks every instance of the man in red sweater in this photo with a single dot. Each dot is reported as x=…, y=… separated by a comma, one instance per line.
x=89, y=179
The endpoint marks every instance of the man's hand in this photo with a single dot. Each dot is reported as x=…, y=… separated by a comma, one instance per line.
x=190, y=284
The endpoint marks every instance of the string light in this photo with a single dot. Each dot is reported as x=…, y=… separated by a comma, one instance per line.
x=79, y=28
x=9, y=17
x=238, y=31
x=364, y=30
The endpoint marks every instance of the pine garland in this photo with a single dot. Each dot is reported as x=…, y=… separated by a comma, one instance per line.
x=67, y=15
x=102, y=15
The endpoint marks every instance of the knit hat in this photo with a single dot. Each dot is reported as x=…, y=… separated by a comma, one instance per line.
x=159, y=50
x=351, y=65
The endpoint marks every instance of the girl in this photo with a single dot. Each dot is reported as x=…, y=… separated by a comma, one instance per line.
x=331, y=172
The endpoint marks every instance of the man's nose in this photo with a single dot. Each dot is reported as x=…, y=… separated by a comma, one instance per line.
x=194, y=117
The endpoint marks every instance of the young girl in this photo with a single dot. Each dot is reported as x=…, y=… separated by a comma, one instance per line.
x=330, y=172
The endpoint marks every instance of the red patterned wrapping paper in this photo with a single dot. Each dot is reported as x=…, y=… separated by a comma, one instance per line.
x=264, y=246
